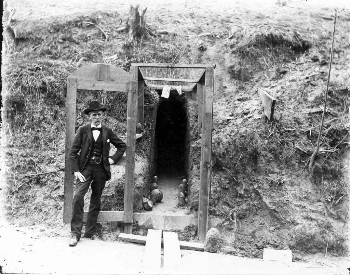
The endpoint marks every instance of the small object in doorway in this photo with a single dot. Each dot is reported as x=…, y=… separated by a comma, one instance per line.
x=160, y=196
x=181, y=199
x=147, y=204
x=182, y=188
x=154, y=186
x=184, y=182
x=138, y=128
x=155, y=178
x=156, y=196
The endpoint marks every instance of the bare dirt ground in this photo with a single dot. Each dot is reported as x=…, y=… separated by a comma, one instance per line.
x=41, y=249
x=24, y=252
x=169, y=187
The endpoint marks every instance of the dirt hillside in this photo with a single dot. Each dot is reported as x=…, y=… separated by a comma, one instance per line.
x=261, y=184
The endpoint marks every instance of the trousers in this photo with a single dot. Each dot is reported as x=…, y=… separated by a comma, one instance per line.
x=95, y=176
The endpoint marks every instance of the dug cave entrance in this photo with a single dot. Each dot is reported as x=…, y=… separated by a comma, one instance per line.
x=171, y=135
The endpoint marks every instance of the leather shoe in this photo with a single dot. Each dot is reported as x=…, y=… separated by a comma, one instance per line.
x=73, y=241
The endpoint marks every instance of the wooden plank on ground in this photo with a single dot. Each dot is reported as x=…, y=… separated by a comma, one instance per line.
x=205, y=168
x=130, y=156
x=70, y=133
x=172, y=254
x=268, y=103
x=192, y=246
x=142, y=240
x=132, y=238
x=152, y=257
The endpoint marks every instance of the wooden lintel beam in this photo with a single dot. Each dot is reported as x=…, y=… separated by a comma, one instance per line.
x=171, y=79
x=95, y=85
x=158, y=65
x=160, y=87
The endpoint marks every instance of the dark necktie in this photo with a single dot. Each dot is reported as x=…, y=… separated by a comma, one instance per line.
x=95, y=128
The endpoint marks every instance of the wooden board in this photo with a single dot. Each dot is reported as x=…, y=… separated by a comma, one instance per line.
x=268, y=103
x=90, y=72
x=205, y=168
x=159, y=65
x=130, y=156
x=160, y=87
x=70, y=133
x=142, y=240
x=172, y=254
x=171, y=79
x=132, y=238
x=152, y=257
x=200, y=93
x=192, y=246
x=94, y=85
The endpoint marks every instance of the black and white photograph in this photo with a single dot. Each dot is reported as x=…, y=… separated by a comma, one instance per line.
x=175, y=137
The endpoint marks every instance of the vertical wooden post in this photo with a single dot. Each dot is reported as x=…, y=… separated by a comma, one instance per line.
x=200, y=101
x=130, y=156
x=205, y=170
x=137, y=76
x=70, y=133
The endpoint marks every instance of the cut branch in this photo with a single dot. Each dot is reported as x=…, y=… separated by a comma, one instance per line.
x=325, y=100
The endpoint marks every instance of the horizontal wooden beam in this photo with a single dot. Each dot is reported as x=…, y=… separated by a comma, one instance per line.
x=108, y=216
x=142, y=240
x=160, y=87
x=95, y=85
x=159, y=221
x=159, y=65
x=171, y=79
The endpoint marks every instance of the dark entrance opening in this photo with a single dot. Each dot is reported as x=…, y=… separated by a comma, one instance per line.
x=171, y=136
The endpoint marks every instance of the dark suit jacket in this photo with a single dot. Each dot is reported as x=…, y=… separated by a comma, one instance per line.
x=81, y=149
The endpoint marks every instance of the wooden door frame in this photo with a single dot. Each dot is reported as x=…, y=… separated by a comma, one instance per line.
x=103, y=77
x=204, y=97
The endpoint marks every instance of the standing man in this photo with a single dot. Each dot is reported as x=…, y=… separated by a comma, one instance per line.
x=90, y=162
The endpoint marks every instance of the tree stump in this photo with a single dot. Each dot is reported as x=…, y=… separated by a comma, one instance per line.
x=8, y=34
x=136, y=24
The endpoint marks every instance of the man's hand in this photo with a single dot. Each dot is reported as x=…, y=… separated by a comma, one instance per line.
x=79, y=176
x=111, y=161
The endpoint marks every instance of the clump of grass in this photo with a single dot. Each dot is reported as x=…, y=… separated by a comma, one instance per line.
x=264, y=45
x=270, y=36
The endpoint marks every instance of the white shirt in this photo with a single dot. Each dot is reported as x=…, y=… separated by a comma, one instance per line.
x=95, y=133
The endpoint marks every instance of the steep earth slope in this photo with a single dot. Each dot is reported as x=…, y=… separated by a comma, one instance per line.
x=260, y=181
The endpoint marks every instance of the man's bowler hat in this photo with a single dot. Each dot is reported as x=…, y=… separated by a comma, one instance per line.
x=94, y=106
